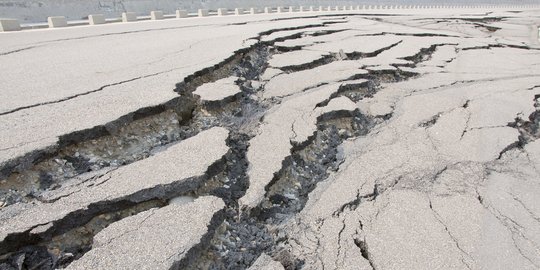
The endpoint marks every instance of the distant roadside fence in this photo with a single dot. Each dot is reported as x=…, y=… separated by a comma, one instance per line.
x=7, y=24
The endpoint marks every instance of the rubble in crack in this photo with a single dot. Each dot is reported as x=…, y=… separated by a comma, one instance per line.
x=66, y=240
x=529, y=129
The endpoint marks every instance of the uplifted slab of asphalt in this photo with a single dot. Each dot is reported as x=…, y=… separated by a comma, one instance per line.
x=292, y=83
x=218, y=90
x=181, y=165
x=155, y=239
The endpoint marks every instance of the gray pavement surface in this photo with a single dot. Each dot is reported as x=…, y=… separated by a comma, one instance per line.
x=353, y=141
x=181, y=165
x=163, y=237
x=265, y=262
x=218, y=90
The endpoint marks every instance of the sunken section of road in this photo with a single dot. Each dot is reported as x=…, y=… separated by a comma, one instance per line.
x=288, y=142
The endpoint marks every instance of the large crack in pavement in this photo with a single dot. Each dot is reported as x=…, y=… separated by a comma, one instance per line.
x=72, y=239
x=86, y=158
x=247, y=233
x=181, y=106
x=529, y=129
x=240, y=232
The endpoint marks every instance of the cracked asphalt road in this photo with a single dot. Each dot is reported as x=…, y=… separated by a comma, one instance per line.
x=343, y=141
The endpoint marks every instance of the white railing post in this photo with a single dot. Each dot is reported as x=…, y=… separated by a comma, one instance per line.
x=156, y=15
x=56, y=21
x=9, y=25
x=129, y=17
x=202, y=13
x=96, y=19
x=180, y=13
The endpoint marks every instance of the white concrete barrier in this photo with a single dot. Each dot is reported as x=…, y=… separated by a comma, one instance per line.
x=267, y=10
x=96, y=19
x=321, y=8
x=156, y=15
x=238, y=11
x=291, y=9
x=203, y=13
x=129, y=17
x=57, y=21
x=329, y=8
x=9, y=25
x=222, y=11
x=336, y=8
x=253, y=11
x=180, y=13
x=279, y=9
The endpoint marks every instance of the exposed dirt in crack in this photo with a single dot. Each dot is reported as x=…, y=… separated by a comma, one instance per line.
x=125, y=140
x=247, y=233
x=64, y=248
x=425, y=54
x=87, y=152
x=529, y=129
x=490, y=46
x=356, y=89
x=239, y=236
x=311, y=163
x=319, y=62
x=68, y=239
x=362, y=245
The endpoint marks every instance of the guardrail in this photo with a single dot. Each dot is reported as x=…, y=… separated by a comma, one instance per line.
x=96, y=19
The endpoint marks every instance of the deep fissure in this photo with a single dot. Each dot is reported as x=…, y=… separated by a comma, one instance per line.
x=243, y=235
x=247, y=233
x=72, y=237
